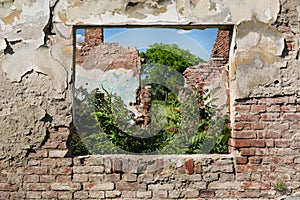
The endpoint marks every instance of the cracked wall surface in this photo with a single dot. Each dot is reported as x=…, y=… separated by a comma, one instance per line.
x=36, y=76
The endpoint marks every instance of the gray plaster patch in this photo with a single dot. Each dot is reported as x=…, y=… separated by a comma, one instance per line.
x=255, y=72
x=39, y=60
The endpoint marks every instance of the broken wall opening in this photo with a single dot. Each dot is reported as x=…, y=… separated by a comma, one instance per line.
x=207, y=80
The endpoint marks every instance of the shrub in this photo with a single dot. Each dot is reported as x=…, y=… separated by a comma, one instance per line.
x=113, y=131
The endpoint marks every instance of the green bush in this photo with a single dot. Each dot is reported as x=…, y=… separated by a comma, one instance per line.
x=113, y=131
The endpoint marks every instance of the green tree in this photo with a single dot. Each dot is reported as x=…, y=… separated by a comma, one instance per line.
x=157, y=58
x=170, y=55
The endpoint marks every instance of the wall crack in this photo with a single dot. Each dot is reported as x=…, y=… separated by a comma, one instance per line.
x=49, y=26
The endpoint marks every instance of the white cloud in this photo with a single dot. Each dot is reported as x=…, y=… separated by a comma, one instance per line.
x=79, y=38
x=181, y=32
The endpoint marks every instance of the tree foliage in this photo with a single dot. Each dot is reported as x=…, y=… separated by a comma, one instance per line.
x=170, y=55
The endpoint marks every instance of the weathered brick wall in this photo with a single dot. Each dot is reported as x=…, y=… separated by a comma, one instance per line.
x=212, y=77
x=265, y=133
x=121, y=176
x=93, y=36
x=36, y=78
x=265, y=127
x=220, y=51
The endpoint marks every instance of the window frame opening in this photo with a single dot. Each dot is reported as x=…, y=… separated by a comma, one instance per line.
x=225, y=62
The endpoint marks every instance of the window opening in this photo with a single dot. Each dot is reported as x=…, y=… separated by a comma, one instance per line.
x=151, y=90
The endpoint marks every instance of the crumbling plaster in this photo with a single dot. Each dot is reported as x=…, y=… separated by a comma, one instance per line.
x=39, y=37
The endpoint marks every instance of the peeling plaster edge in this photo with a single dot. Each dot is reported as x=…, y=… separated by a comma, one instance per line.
x=232, y=64
x=29, y=71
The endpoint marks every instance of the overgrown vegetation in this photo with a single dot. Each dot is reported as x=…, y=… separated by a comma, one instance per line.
x=106, y=126
x=114, y=132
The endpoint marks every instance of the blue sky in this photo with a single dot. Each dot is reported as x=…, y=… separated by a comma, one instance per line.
x=198, y=42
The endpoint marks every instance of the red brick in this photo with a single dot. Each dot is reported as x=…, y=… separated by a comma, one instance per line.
x=269, y=142
x=159, y=164
x=31, y=178
x=207, y=193
x=36, y=186
x=258, y=108
x=189, y=166
x=295, y=125
x=291, y=46
x=241, y=160
x=261, y=151
x=51, y=145
x=63, y=162
x=258, y=125
x=65, y=186
x=243, y=134
x=99, y=186
x=81, y=195
x=282, y=143
x=247, y=168
x=61, y=171
x=117, y=165
x=251, y=101
x=256, y=185
x=231, y=149
x=272, y=134
x=268, y=101
x=242, y=108
x=281, y=100
x=8, y=187
x=49, y=195
x=255, y=160
x=191, y=193
x=36, y=170
x=241, y=126
x=280, y=126
x=33, y=195
x=258, y=143
x=270, y=116
x=43, y=153
x=14, y=195
x=283, y=160
x=47, y=178
x=239, y=142
x=292, y=99
x=63, y=178
x=160, y=194
x=96, y=194
x=65, y=195
x=48, y=162
x=246, y=117
x=291, y=116
x=123, y=185
x=274, y=108
x=289, y=109
x=80, y=177
x=3, y=179
x=247, y=151
x=198, y=168
x=112, y=177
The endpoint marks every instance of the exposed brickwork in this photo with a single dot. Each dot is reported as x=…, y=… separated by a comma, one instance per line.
x=93, y=36
x=267, y=139
x=221, y=46
x=99, y=177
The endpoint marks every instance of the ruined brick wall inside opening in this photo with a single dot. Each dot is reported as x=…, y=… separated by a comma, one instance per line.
x=36, y=75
